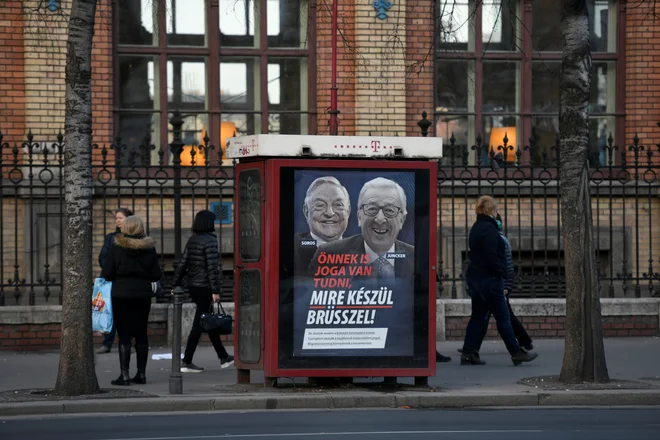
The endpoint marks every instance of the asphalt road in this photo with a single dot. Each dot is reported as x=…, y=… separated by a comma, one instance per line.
x=399, y=424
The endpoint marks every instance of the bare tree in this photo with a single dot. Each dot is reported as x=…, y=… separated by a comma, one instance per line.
x=76, y=373
x=584, y=353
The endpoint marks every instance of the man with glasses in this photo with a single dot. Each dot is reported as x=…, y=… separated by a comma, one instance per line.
x=326, y=208
x=381, y=215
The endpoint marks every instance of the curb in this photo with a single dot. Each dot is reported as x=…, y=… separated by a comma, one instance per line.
x=332, y=401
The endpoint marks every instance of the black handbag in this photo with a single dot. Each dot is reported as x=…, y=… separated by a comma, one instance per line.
x=217, y=321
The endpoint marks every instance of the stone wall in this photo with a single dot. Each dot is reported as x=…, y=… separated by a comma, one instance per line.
x=38, y=327
x=539, y=327
x=546, y=318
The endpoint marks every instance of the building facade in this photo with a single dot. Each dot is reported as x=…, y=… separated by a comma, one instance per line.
x=481, y=71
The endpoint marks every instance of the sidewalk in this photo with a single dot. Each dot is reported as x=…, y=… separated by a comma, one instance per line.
x=495, y=384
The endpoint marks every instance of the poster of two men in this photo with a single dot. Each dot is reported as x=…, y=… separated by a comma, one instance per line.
x=373, y=223
x=362, y=223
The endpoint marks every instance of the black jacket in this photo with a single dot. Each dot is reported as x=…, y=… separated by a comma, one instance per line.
x=200, y=262
x=107, y=244
x=487, y=250
x=510, y=280
x=132, y=265
x=303, y=254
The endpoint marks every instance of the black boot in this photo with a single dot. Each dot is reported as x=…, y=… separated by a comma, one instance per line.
x=141, y=354
x=441, y=358
x=521, y=356
x=471, y=359
x=124, y=363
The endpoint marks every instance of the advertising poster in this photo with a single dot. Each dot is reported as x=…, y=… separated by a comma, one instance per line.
x=354, y=263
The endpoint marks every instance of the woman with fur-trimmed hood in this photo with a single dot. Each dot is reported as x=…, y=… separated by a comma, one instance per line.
x=132, y=265
x=120, y=215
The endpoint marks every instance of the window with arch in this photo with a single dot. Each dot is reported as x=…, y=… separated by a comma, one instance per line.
x=231, y=67
x=497, y=71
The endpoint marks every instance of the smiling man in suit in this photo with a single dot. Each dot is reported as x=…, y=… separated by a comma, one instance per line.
x=381, y=215
x=326, y=208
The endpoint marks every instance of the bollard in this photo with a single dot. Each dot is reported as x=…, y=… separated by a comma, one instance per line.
x=176, y=380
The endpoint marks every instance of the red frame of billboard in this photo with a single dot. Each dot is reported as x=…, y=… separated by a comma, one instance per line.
x=269, y=265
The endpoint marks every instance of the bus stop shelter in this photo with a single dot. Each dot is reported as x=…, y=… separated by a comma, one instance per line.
x=335, y=256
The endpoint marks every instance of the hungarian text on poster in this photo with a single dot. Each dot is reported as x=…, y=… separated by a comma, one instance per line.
x=354, y=264
x=334, y=302
x=344, y=338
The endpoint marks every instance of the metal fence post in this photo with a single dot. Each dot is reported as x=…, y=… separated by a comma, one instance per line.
x=176, y=149
x=424, y=124
x=176, y=380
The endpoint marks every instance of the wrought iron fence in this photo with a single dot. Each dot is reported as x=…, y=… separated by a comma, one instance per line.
x=625, y=190
x=164, y=185
x=167, y=184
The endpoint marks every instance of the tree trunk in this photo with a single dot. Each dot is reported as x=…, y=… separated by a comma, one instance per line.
x=584, y=353
x=76, y=374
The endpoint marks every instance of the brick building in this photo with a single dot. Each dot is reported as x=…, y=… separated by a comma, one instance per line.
x=480, y=69
x=237, y=73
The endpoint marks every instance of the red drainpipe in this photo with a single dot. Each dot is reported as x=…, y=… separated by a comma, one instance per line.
x=334, y=122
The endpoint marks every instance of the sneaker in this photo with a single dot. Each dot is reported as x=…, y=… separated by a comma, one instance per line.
x=103, y=349
x=227, y=362
x=529, y=347
x=190, y=368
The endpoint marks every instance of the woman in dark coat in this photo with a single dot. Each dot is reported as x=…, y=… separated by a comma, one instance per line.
x=485, y=278
x=200, y=263
x=120, y=216
x=132, y=266
x=509, y=283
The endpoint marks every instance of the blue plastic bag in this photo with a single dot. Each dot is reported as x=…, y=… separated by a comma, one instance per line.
x=102, y=306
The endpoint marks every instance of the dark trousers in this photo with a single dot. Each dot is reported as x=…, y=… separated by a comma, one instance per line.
x=203, y=299
x=488, y=297
x=109, y=338
x=131, y=319
x=518, y=329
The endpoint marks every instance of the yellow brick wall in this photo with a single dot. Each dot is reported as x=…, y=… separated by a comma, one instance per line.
x=45, y=57
x=44, y=45
x=380, y=104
